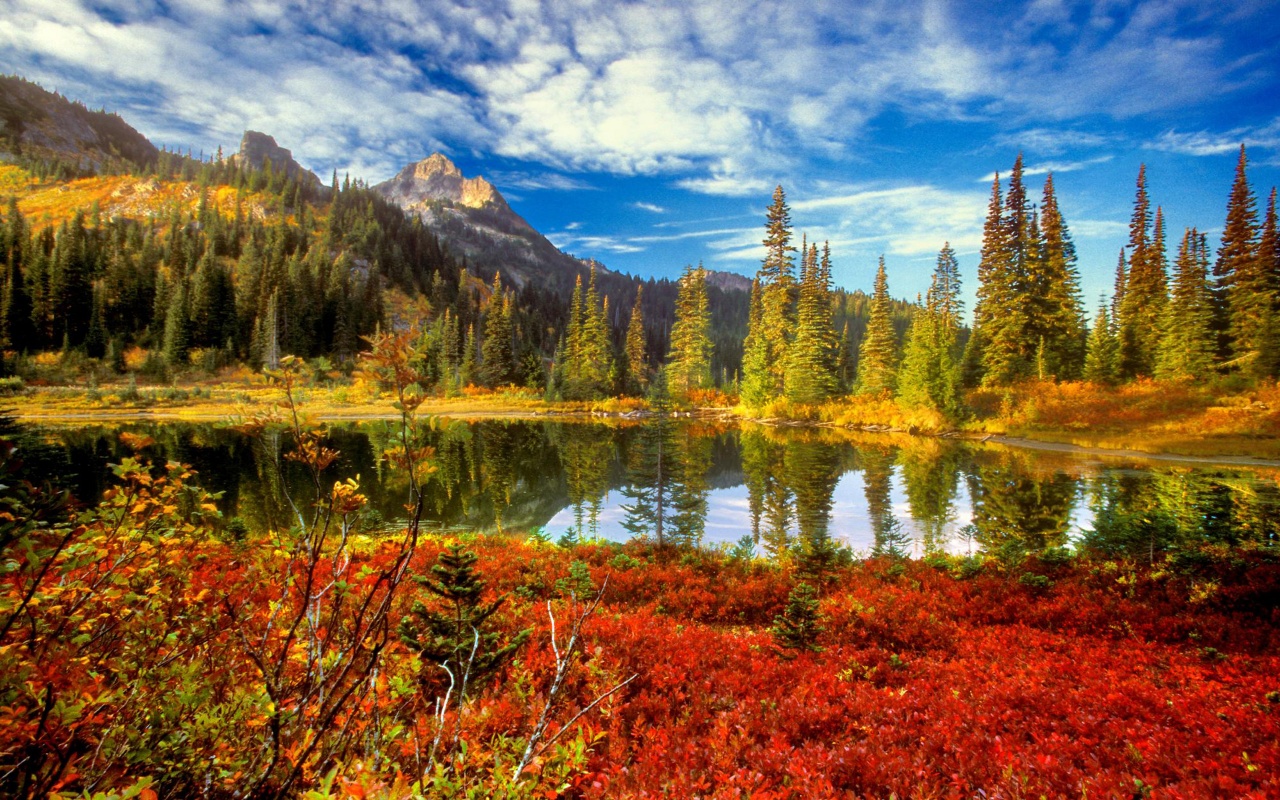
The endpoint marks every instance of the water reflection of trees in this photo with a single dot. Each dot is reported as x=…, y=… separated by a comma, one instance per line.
x=1144, y=514
x=931, y=476
x=667, y=488
x=587, y=452
x=771, y=501
x=518, y=475
x=1018, y=507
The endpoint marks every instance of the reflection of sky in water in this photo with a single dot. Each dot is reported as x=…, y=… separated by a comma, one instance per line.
x=729, y=516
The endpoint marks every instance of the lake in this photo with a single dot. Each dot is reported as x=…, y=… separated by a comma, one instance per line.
x=718, y=483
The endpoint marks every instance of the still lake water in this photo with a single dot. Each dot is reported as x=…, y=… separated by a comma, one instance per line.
x=866, y=491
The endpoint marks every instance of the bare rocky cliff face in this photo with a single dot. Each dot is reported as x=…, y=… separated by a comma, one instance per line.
x=435, y=179
x=257, y=148
x=36, y=123
x=473, y=220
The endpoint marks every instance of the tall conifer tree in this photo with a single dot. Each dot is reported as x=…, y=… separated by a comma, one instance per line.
x=1145, y=290
x=637, y=363
x=1101, y=361
x=1188, y=344
x=757, y=384
x=689, y=361
x=777, y=287
x=810, y=374
x=1000, y=316
x=1243, y=287
x=1057, y=288
x=877, y=358
x=930, y=374
x=497, y=351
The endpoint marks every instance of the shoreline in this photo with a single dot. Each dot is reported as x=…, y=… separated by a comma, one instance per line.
x=40, y=414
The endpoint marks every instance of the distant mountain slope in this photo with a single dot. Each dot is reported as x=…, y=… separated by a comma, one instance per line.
x=38, y=124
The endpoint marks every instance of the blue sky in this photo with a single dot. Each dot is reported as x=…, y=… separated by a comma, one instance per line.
x=650, y=135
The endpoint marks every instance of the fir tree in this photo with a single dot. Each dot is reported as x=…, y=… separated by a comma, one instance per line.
x=177, y=328
x=930, y=375
x=757, y=385
x=810, y=373
x=877, y=357
x=498, y=361
x=637, y=366
x=689, y=362
x=1188, y=344
x=1101, y=363
x=15, y=310
x=1056, y=289
x=799, y=626
x=1000, y=314
x=95, y=341
x=453, y=637
x=467, y=369
x=1145, y=290
x=70, y=289
x=1242, y=284
x=777, y=285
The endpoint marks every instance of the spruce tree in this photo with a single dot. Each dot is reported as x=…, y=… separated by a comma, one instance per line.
x=877, y=357
x=1145, y=290
x=1101, y=362
x=15, y=310
x=1188, y=344
x=177, y=327
x=1269, y=246
x=1060, y=316
x=689, y=361
x=95, y=341
x=467, y=369
x=1243, y=286
x=452, y=636
x=1000, y=314
x=799, y=626
x=757, y=384
x=70, y=288
x=810, y=373
x=777, y=286
x=930, y=374
x=498, y=360
x=637, y=365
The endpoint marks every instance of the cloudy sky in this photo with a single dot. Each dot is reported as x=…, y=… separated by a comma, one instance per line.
x=650, y=135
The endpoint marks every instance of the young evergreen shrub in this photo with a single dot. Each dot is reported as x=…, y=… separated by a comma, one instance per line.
x=798, y=627
x=452, y=636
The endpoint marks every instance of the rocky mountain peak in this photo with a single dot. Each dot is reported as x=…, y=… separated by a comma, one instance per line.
x=436, y=164
x=256, y=148
x=436, y=178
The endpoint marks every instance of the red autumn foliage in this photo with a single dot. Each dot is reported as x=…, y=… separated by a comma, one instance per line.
x=1112, y=679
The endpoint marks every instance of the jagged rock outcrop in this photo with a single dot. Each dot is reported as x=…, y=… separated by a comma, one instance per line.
x=256, y=148
x=472, y=219
x=436, y=178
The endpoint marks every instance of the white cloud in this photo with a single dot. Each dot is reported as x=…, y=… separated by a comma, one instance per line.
x=545, y=181
x=653, y=208
x=1099, y=229
x=723, y=96
x=1204, y=143
x=1053, y=141
x=585, y=244
x=1055, y=167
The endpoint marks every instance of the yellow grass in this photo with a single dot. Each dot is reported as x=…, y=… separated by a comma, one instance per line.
x=51, y=203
